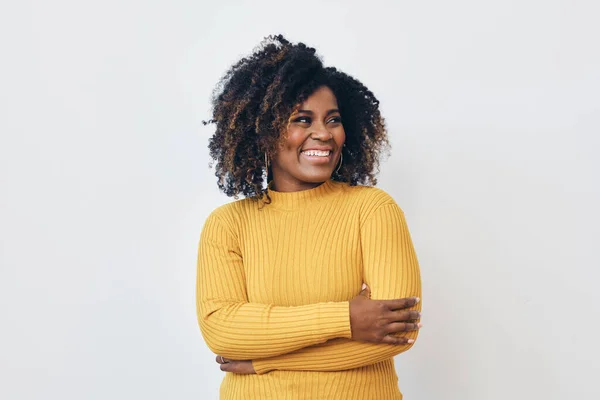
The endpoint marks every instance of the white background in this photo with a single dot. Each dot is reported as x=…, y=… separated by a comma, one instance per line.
x=493, y=111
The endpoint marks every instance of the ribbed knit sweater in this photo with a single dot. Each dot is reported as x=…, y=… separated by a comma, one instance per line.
x=274, y=286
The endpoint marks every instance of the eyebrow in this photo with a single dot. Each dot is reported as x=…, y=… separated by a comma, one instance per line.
x=333, y=110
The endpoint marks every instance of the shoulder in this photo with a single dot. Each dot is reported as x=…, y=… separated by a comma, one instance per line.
x=369, y=199
x=236, y=215
x=368, y=196
x=229, y=215
x=222, y=224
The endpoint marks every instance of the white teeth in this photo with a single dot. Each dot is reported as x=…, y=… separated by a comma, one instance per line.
x=319, y=153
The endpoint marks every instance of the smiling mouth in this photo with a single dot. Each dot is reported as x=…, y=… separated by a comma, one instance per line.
x=317, y=153
x=317, y=157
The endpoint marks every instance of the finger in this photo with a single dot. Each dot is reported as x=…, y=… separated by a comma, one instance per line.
x=390, y=339
x=222, y=360
x=246, y=368
x=401, y=316
x=232, y=366
x=366, y=291
x=402, y=327
x=227, y=367
x=398, y=304
x=236, y=367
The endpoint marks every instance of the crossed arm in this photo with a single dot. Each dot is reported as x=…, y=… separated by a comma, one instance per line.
x=314, y=337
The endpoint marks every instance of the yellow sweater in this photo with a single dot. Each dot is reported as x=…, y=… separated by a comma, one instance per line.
x=274, y=287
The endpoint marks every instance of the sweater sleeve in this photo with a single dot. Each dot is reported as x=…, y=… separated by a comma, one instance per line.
x=391, y=270
x=235, y=328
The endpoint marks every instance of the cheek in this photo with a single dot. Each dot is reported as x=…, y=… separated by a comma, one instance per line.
x=288, y=148
x=294, y=139
x=339, y=137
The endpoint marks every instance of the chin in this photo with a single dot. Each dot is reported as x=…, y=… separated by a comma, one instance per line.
x=315, y=178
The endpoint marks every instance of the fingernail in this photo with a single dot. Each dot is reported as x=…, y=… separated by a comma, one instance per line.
x=419, y=324
x=417, y=299
x=411, y=341
x=363, y=286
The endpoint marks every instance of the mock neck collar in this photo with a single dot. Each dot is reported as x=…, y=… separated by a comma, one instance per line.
x=302, y=198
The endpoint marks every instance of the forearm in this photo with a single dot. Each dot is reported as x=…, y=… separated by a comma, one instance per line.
x=334, y=355
x=248, y=331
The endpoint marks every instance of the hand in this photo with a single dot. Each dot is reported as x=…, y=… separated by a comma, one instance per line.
x=237, y=367
x=376, y=320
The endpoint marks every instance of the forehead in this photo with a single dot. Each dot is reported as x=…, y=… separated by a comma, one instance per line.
x=323, y=97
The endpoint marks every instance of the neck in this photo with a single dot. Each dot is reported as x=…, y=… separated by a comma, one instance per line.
x=288, y=184
x=301, y=199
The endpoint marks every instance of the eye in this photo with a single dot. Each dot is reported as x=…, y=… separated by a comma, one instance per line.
x=303, y=120
x=336, y=120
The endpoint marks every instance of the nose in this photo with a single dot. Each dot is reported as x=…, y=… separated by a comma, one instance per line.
x=320, y=132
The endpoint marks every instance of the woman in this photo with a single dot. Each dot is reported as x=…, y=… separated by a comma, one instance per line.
x=280, y=272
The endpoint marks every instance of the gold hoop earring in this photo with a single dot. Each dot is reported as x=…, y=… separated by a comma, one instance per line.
x=341, y=160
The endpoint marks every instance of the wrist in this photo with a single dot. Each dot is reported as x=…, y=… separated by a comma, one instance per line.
x=334, y=320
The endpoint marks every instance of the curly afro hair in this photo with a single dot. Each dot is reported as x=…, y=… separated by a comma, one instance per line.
x=252, y=104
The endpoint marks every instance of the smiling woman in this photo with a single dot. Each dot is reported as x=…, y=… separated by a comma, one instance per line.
x=259, y=102
x=309, y=286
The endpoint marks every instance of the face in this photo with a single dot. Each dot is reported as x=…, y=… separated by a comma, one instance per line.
x=310, y=151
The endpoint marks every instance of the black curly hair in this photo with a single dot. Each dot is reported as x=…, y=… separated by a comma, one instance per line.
x=252, y=104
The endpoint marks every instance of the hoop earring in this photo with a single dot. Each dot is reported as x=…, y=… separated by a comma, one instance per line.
x=341, y=160
x=267, y=166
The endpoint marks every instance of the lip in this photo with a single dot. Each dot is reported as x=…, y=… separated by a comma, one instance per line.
x=318, y=159
x=322, y=148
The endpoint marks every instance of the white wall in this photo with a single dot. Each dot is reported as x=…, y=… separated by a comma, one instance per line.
x=493, y=109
